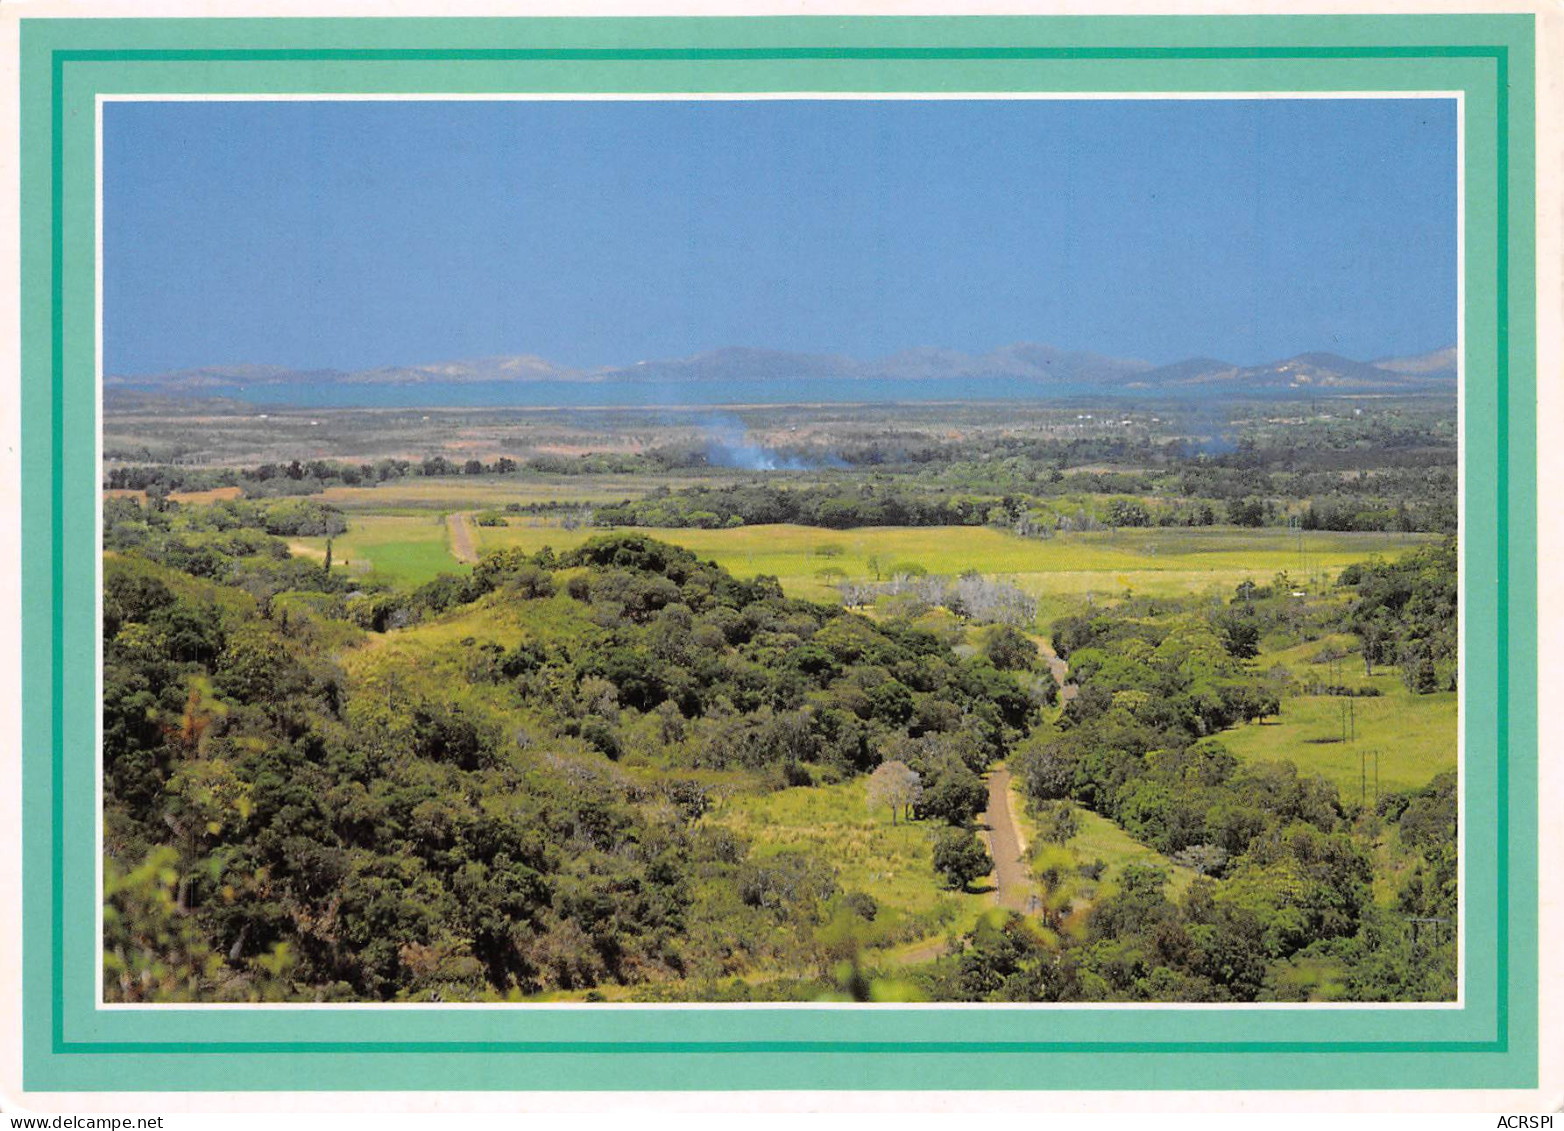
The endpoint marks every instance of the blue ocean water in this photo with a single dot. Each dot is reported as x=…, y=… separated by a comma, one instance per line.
x=570, y=394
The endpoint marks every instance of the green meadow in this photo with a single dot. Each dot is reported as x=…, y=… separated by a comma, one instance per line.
x=408, y=549
x=834, y=824
x=1097, y=841
x=1102, y=839
x=1062, y=572
x=1410, y=737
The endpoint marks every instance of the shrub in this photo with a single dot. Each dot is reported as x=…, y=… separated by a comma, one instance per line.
x=1057, y=821
x=601, y=737
x=1009, y=649
x=960, y=857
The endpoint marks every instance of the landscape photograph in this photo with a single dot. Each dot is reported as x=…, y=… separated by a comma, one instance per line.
x=781, y=551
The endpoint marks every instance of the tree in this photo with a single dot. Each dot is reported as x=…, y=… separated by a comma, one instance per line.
x=1009, y=649
x=1248, y=512
x=1204, y=859
x=895, y=784
x=257, y=666
x=956, y=795
x=1047, y=770
x=1240, y=636
x=1127, y=512
x=1417, y=668
x=960, y=857
x=152, y=951
x=1057, y=821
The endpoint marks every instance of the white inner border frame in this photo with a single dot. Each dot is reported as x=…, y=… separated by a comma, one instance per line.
x=1458, y=97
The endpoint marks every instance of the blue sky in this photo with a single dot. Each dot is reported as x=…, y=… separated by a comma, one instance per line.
x=351, y=235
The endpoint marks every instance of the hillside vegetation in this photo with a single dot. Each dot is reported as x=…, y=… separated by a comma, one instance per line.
x=611, y=767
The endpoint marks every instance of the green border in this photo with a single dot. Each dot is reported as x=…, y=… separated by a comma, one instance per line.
x=70, y=1044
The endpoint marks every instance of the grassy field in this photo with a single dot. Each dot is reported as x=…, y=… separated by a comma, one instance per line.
x=1101, y=839
x=1414, y=736
x=834, y=824
x=1061, y=571
x=196, y=498
x=410, y=549
x=215, y=495
x=1098, y=840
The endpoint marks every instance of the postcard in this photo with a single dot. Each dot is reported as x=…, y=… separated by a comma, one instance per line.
x=837, y=553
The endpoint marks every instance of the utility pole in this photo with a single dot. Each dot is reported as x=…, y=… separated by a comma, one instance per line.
x=1434, y=922
x=1363, y=776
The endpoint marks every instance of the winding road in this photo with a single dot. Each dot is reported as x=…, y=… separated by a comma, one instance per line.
x=1013, y=879
x=1013, y=887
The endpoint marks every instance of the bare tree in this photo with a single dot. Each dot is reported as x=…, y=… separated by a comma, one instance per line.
x=895, y=784
x=977, y=598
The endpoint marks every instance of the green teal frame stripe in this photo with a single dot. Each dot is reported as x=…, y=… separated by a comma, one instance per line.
x=82, y=1046
x=712, y=54
x=1502, y=519
x=57, y=524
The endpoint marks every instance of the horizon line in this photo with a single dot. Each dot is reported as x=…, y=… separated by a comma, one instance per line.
x=816, y=354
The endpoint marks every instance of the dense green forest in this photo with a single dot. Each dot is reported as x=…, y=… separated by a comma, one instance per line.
x=513, y=781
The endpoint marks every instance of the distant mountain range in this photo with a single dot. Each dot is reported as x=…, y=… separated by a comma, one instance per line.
x=1035, y=365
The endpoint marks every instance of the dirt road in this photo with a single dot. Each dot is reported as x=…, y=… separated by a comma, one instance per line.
x=1060, y=669
x=462, y=548
x=1004, y=844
